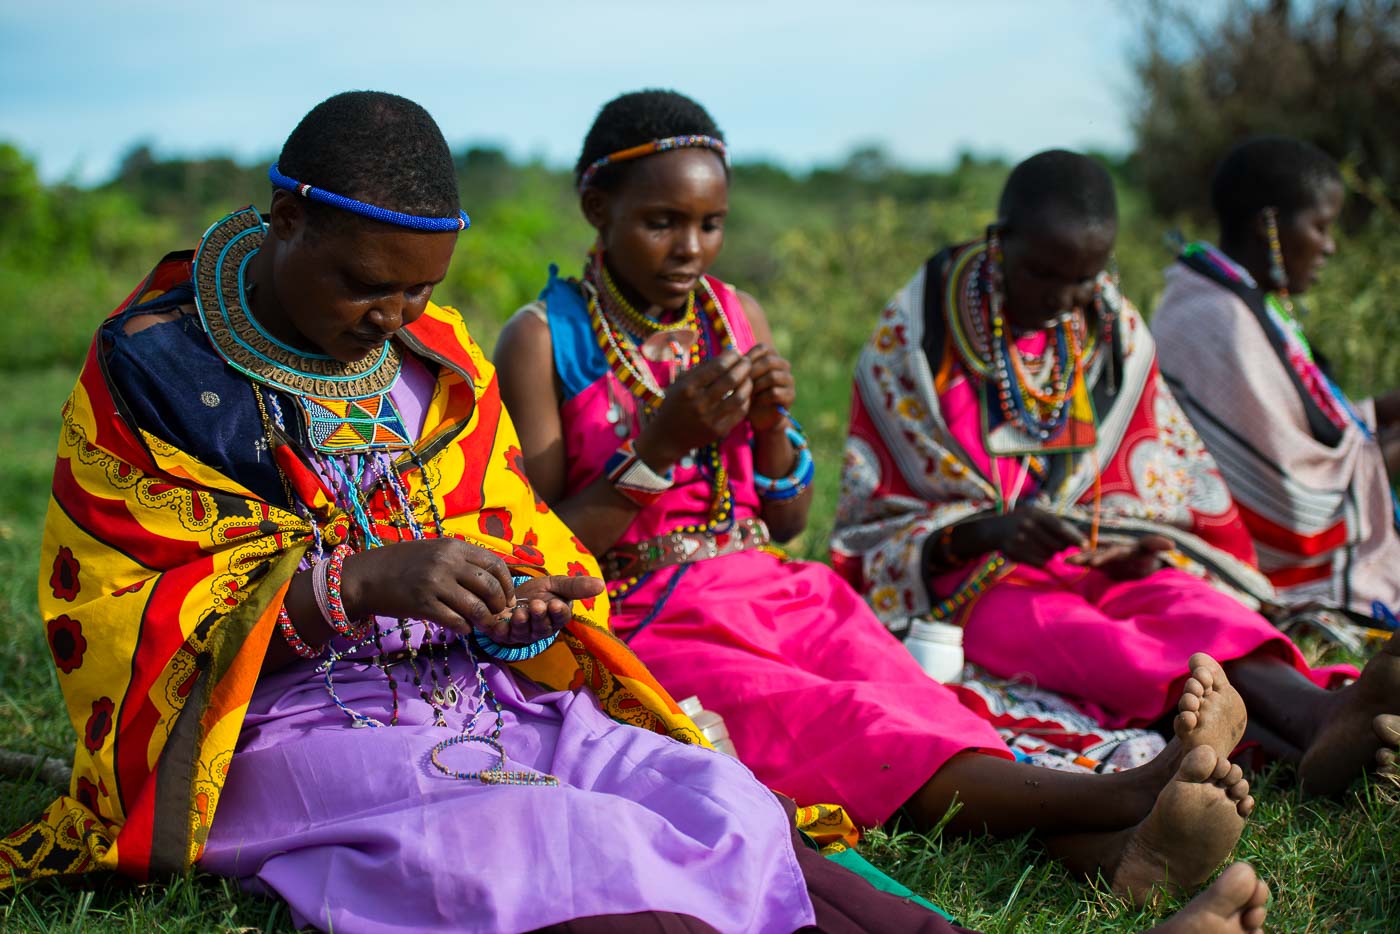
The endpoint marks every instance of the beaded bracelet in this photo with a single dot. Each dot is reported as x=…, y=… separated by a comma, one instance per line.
x=325, y=583
x=294, y=639
x=795, y=483
x=512, y=653
x=631, y=476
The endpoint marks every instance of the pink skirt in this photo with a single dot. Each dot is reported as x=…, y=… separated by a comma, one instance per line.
x=823, y=704
x=1117, y=648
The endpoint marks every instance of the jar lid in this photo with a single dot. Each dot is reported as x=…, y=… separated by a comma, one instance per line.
x=931, y=631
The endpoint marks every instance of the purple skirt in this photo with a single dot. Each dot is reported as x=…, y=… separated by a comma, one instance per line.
x=357, y=830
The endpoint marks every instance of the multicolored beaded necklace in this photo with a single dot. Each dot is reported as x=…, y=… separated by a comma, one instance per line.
x=355, y=459
x=1036, y=394
x=619, y=329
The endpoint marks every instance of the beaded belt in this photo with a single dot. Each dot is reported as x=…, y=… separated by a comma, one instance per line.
x=675, y=548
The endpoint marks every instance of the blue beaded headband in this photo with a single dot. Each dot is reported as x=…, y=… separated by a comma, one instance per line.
x=372, y=211
x=694, y=141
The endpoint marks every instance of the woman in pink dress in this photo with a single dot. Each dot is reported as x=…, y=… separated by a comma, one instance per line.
x=653, y=418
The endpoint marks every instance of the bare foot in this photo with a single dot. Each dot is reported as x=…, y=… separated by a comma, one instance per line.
x=1234, y=904
x=1193, y=826
x=1211, y=712
x=1362, y=723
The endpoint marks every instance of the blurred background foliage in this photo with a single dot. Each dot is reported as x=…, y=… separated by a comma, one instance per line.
x=822, y=249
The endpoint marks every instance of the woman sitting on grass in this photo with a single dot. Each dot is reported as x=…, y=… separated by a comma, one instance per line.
x=1310, y=470
x=316, y=633
x=653, y=415
x=1018, y=467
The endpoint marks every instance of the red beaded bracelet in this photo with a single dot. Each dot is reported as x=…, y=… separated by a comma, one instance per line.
x=294, y=639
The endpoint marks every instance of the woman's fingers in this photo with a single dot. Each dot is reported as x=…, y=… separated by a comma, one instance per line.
x=563, y=587
x=482, y=584
x=479, y=569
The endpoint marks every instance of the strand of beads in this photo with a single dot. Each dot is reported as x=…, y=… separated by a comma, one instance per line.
x=980, y=580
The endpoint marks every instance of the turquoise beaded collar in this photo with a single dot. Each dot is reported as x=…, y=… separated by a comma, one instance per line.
x=219, y=267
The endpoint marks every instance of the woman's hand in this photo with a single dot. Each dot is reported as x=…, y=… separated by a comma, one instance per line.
x=543, y=606
x=1026, y=535
x=774, y=389
x=1125, y=561
x=702, y=406
x=445, y=580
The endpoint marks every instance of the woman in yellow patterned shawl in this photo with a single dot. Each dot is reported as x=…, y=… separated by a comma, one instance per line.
x=313, y=628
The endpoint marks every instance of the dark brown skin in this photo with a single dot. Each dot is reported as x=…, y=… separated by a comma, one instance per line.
x=343, y=291
x=661, y=229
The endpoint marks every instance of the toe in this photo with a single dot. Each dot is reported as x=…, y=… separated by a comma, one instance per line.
x=1235, y=775
x=1205, y=676
x=1193, y=689
x=1221, y=773
x=1245, y=807
x=1198, y=765
x=1387, y=727
x=1185, y=723
x=1238, y=791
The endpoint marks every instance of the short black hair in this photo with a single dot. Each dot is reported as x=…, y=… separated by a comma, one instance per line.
x=374, y=147
x=1059, y=183
x=636, y=118
x=1268, y=171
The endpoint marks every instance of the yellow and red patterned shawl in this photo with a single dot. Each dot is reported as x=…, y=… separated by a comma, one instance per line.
x=160, y=584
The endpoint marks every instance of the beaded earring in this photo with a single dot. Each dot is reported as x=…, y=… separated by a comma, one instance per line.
x=991, y=277
x=1278, y=273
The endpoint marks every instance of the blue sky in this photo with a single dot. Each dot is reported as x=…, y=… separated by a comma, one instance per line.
x=797, y=82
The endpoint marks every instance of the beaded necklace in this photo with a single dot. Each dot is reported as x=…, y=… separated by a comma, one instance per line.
x=354, y=457
x=610, y=314
x=608, y=309
x=985, y=344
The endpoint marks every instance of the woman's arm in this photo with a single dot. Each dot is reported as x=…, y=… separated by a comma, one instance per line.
x=524, y=358
x=773, y=454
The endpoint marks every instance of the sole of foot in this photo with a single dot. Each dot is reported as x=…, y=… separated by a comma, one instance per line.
x=1363, y=725
x=1191, y=829
x=1236, y=903
x=1210, y=712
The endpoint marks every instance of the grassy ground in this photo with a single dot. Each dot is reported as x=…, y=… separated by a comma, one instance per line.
x=1331, y=864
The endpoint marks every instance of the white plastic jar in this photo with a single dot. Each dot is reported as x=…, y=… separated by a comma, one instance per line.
x=711, y=725
x=938, y=648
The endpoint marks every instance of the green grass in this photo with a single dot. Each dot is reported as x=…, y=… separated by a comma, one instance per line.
x=1331, y=863
x=822, y=270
